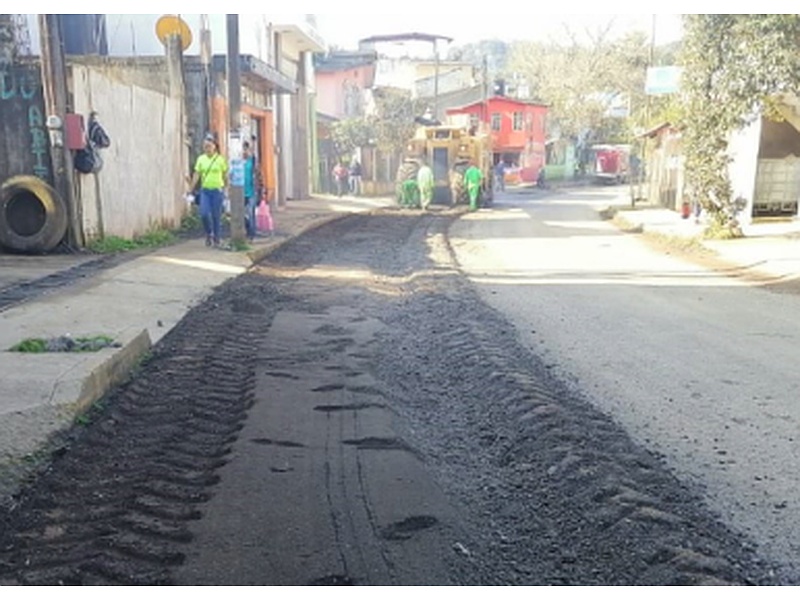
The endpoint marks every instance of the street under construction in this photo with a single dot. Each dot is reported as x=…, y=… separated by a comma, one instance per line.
x=350, y=412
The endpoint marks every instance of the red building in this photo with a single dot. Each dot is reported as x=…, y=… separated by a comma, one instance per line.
x=518, y=135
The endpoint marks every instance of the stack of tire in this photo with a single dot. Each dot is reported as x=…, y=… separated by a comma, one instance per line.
x=33, y=217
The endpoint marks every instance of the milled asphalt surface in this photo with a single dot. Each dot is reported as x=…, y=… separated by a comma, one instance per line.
x=141, y=300
x=695, y=362
x=136, y=302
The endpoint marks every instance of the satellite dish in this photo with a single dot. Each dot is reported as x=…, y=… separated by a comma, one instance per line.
x=173, y=25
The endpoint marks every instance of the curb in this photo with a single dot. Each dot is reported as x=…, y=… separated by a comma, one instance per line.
x=259, y=254
x=118, y=367
x=113, y=371
x=71, y=397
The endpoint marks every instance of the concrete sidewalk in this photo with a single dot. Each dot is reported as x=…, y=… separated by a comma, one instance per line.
x=136, y=303
x=770, y=249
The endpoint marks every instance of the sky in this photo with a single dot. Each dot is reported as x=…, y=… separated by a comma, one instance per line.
x=344, y=31
x=353, y=21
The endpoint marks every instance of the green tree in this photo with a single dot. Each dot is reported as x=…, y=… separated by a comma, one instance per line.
x=734, y=65
x=353, y=133
x=581, y=79
x=394, y=124
x=389, y=127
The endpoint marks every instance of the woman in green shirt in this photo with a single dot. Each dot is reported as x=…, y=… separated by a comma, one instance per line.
x=211, y=171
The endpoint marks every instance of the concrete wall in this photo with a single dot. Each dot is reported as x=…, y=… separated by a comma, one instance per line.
x=142, y=181
x=24, y=140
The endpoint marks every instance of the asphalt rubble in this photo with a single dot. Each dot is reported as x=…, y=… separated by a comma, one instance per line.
x=138, y=301
x=133, y=302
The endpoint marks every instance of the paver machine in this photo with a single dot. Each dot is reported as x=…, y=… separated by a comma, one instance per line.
x=448, y=150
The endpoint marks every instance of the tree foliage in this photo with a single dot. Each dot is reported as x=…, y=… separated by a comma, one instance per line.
x=349, y=134
x=389, y=126
x=581, y=79
x=395, y=111
x=495, y=52
x=733, y=67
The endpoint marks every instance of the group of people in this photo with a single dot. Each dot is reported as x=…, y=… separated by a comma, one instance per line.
x=211, y=172
x=347, y=179
x=420, y=190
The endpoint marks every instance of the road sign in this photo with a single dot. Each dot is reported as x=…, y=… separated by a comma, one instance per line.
x=662, y=80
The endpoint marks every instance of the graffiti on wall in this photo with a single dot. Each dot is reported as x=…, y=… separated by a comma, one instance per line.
x=21, y=100
x=22, y=83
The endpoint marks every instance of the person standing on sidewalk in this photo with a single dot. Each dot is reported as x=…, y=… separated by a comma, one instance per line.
x=355, y=177
x=500, y=176
x=252, y=185
x=340, y=176
x=211, y=171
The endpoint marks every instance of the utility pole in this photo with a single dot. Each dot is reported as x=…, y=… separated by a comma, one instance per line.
x=205, y=60
x=236, y=175
x=280, y=137
x=436, y=80
x=485, y=107
x=54, y=81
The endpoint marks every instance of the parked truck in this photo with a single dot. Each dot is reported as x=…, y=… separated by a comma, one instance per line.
x=610, y=163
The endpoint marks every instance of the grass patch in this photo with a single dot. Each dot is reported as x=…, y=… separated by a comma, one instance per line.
x=716, y=231
x=619, y=220
x=690, y=245
x=191, y=222
x=32, y=345
x=240, y=246
x=64, y=344
x=91, y=414
x=112, y=244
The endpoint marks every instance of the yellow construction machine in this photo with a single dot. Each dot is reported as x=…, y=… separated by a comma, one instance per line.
x=448, y=151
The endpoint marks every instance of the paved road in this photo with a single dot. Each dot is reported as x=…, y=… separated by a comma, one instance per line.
x=699, y=368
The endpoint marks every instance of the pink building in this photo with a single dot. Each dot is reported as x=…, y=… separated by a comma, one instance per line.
x=341, y=79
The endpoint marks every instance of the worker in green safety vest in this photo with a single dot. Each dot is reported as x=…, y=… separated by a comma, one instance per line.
x=473, y=179
x=426, y=183
x=410, y=193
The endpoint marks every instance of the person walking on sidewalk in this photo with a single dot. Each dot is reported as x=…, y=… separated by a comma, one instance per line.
x=211, y=171
x=340, y=176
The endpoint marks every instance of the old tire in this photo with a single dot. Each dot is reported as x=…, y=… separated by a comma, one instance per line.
x=33, y=217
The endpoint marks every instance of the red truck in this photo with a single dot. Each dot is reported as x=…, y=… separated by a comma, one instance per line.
x=610, y=163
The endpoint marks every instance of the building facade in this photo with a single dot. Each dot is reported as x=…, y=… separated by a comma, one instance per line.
x=517, y=129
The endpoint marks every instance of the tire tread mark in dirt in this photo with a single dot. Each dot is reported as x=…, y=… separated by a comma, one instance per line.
x=162, y=436
x=329, y=250
x=531, y=455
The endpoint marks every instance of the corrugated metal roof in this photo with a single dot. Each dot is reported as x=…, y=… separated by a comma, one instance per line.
x=343, y=61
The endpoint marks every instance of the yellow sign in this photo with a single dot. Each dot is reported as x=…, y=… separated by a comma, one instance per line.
x=173, y=25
